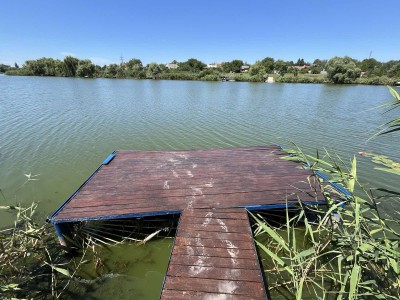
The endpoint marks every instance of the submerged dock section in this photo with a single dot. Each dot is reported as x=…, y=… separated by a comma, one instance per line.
x=214, y=254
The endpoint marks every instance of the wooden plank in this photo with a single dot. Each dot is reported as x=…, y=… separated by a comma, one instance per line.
x=228, y=287
x=214, y=273
x=184, y=295
x=214, y=228
x=213, y=243
x=218, y=262
x=229, y=199
x=214, y=260
x=215, y=235
x=212, y=252
x=199, y=221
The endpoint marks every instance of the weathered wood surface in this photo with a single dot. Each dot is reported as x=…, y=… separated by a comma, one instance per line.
x=139, y=182
x=215, y=258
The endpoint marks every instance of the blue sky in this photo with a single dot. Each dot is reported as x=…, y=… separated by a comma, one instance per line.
x=212, y=31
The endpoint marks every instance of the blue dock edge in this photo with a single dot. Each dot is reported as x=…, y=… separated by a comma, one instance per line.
x=326, y=178
x=57, y=225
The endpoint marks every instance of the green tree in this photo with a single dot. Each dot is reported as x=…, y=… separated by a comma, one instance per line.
x=85, y=68
x=152, y=70
x=44, y=67
x=369, y=65
x=257, y=69
x=4, y=68
x=70, y=66
x=134, y=65
x=315, y=69
x=134, y=69
x=192, y=65
x=342, y=70
x=232, y=66
x=394, y=71
x=269, y=64
x=300, y=62
x=321, y=63
x=281, y=67
x=111, y=71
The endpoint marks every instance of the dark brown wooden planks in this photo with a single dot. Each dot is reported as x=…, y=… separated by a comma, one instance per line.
x=215, y=258
x=137, y=182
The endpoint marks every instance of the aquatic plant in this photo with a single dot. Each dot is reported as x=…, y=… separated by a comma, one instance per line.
x=30, y=261
x=393, y=125
x=34, y=265
x=350, y=247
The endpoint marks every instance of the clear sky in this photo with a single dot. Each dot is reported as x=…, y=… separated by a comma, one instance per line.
x=209, y=30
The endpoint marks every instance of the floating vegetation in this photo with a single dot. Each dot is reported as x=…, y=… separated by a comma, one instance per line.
x=388, y=164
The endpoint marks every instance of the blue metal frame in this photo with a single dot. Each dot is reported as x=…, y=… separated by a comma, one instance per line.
x=60, y=234
x=105, y=162
x=119, y=217
x=326, y=178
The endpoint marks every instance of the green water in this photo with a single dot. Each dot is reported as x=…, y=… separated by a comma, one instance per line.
x=58, y=130
x=131, y=272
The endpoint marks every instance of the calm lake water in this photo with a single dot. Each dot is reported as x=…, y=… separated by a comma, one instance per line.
x=58, y=130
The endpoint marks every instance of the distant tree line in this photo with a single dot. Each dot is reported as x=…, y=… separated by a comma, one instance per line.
x=340, y=70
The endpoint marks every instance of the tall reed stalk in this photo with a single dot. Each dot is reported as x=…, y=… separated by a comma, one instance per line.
x=31, y=264
x=346, y=249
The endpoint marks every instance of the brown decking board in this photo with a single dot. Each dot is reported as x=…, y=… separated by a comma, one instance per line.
x=214, y=261
x=140, y=182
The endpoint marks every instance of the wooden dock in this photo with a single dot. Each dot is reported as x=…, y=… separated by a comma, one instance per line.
x=214, y=255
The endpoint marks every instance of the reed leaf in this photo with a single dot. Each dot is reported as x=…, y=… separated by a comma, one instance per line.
x=272, y=233
x=275, y=257
x=354, y=279
x=353, y=176
x=60, y=270
x=304, y=253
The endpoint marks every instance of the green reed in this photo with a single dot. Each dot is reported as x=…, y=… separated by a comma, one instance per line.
x=349, y=248
x=346, y=249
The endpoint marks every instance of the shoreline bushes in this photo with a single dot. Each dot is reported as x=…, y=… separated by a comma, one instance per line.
x=339, y=70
